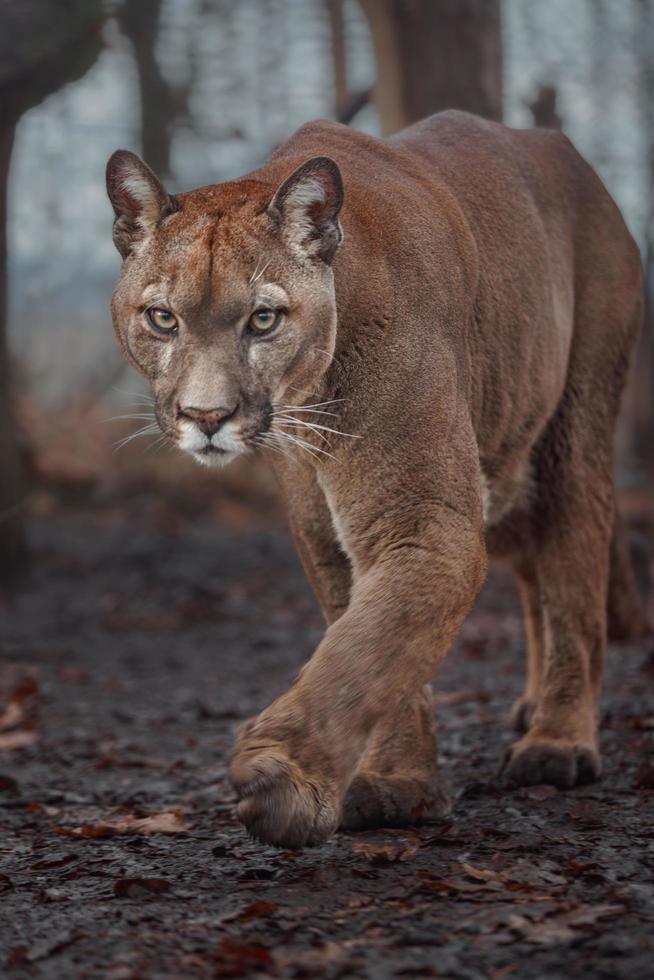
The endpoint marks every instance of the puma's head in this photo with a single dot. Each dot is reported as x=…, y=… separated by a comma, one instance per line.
x=225, y=300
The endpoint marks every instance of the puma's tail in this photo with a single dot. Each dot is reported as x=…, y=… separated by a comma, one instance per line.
x=630, y=584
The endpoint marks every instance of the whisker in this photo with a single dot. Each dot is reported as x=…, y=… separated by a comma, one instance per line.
x=312, y=411
x=267, y=440
x=134, y=394
x=301, y=425
x=316, y=426
x=303, y=391
x=137, y=416
x=305, y=445
x=134, y=435
x=298, y=442
x=158, y=444
x=144, y=431
x=331, y=401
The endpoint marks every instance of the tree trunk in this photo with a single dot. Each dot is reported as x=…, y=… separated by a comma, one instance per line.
x=543, y=108
x=637, y=430
x=139, y=22
x=12, y=547
x=339, y=60
x=433, y=55
x=42, y=46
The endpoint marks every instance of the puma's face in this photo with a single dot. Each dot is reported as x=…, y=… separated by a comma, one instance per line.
x=225, y=301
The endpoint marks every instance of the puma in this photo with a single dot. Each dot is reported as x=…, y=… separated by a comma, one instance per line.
x=431, y=335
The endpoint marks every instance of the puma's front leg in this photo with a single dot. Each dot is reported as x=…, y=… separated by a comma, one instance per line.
x=397, y=781
x=416, y=574
x=326, y=565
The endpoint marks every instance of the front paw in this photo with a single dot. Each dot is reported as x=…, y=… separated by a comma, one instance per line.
x=557, y=762
x=281, y=803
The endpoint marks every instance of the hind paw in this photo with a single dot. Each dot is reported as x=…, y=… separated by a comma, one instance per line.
x=373, y=800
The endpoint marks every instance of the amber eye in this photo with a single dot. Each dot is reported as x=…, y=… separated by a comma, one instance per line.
x=264, y=320
x=162, y=320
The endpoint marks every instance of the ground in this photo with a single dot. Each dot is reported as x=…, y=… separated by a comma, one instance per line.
x=127, y=659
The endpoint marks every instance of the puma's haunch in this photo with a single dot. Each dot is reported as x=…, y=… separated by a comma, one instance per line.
x=430, y=336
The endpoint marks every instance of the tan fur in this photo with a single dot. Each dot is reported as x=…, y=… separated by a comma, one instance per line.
x=472, y=331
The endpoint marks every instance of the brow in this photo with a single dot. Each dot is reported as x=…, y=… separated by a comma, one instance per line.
x=273, y=294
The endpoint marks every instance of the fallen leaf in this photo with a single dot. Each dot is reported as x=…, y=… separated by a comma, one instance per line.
x=560, y=928
x=16, y=740
x=12, y=716
x=25, y=689
x=256, y=910
x=167, y=822
x=387, y=853
x=541, y=792
x=481, y=874
x=431, y=881
x=235, y=959
x=642, y=724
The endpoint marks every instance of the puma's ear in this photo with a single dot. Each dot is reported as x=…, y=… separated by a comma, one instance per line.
x=306, y=207
x=138, y=198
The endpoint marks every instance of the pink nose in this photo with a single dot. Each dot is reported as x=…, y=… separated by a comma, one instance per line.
x=208, y=420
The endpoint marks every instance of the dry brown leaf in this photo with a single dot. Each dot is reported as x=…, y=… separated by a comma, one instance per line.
x=560, y=928
x=12, y=716
x=166, y=822
x=237, y=959
x=542, y=792
x=387, y=853
x=16, y=740
x=481, y=874
x=255, y=910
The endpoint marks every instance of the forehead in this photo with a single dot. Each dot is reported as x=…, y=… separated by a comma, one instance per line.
x=228, y=217
x=218, y=237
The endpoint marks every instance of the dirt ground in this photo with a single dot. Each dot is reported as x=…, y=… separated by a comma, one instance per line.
x=126, y=661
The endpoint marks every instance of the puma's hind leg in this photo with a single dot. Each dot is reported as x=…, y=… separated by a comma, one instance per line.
x=566, y=592
x=560, y=710
x=398, y=782
x=534, y=617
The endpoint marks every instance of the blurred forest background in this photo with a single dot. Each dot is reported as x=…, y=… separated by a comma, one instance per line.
x=204, y=90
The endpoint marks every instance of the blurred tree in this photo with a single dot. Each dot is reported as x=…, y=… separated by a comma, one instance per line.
x=642, y=404
x=339, y=54
x=433, y=55
x=42, y=47
x=139, y=22
x=543, y=108
x=346, y=104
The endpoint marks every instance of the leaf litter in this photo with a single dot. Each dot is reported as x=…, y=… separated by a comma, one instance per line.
x=120, y=855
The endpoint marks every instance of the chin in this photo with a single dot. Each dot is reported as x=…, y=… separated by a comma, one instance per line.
x=216, y=457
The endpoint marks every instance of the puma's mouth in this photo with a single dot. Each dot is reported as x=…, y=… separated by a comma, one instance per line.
x=211, y=455
x=217, y=449
x=211, y=450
